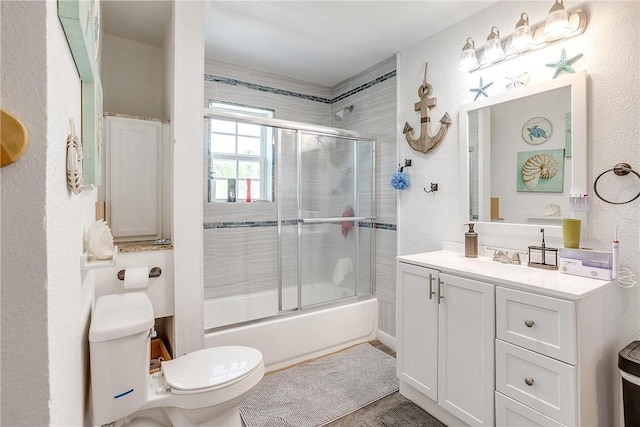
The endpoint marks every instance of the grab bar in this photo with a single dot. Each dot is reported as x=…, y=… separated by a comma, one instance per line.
x=337, y=219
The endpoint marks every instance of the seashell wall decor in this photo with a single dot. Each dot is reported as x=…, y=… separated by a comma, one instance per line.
x=98, y=241
x=551, y=209
x=539, y=166
x=541, y=171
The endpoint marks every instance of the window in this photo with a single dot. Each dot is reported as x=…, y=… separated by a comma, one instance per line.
x=240, y=156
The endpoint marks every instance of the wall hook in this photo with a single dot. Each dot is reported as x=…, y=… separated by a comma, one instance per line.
x=407, y=163
x=434, y=188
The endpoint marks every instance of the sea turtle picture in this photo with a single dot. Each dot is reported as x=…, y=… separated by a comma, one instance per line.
x=536, y=132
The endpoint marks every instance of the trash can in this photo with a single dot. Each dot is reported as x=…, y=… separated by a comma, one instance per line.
x=629, y=365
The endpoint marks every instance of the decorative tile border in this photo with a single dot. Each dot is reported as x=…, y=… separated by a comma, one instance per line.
x=251, y=224
x=261, y=88
x=367, y=85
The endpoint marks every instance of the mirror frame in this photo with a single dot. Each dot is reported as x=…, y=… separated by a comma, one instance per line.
x=578, y=84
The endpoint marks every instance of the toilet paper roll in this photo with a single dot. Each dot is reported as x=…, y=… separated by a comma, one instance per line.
x=136, y=278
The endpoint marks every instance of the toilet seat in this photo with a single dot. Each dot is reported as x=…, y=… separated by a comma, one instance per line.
x=210, y=368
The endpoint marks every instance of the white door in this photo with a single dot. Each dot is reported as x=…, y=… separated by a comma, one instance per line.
x=466, y=381
x=417, y=328
x=133, y=178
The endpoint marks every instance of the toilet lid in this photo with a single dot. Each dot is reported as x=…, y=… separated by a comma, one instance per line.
x=210, y=367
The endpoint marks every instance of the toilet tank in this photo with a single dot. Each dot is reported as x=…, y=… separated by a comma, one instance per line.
x=119, y=346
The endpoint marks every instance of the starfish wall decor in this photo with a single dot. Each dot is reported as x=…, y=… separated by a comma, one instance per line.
x=481, y=89
x=564, y=64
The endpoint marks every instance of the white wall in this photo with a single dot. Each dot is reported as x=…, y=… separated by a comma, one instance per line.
x=132, y=77
x=45, y=298
x=187, y=119
x=612, y=61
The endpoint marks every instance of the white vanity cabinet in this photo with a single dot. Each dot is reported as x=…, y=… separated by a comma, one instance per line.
x=446, y=340
x=485, y=343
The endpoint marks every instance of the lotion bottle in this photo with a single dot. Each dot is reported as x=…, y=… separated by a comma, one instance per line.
x=471, y=242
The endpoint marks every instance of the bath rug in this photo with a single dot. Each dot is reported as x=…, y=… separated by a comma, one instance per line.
x=402, y=415
x=315, y=393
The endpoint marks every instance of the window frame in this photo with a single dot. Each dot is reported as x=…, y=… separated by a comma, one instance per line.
x=265, y=158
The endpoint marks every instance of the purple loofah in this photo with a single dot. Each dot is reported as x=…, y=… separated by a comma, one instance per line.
x=400, y=181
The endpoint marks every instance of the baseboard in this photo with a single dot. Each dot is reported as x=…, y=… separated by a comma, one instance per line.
x=387, y=340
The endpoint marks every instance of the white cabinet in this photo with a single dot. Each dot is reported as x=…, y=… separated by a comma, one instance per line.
x=133, y=178
x=534, y=347
x=446, y=341
x=417, y=328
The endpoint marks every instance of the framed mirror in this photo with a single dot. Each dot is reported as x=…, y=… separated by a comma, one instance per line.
x=523, y=156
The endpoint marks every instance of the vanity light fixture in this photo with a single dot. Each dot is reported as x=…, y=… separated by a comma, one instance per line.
x=560, y=25
x=468, y=59
x=493, y=51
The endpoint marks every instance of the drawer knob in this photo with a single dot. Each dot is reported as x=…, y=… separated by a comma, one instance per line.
x=529, y=323
x=528, y=381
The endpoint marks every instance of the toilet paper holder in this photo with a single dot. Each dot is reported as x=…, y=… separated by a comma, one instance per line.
x=154, y=272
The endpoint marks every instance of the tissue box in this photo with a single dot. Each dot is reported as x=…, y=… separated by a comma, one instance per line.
x=588, y=263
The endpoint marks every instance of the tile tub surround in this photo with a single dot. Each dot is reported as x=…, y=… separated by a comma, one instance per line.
x=373, y=93
x=231, y=246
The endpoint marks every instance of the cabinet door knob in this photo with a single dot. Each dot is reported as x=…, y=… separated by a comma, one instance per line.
x=528, y=381
x=440, y=296
x=529, y=323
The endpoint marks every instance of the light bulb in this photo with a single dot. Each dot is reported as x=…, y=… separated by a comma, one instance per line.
x=493, y=51
x=557, y=24
x=468, y=59
x=522, y=39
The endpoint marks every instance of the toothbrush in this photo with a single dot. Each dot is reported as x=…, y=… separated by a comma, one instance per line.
x=614, y=251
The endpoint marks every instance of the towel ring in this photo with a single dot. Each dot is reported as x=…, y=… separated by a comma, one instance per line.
x=621, y=169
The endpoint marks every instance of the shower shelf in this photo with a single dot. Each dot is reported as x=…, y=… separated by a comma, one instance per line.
x=87, y=263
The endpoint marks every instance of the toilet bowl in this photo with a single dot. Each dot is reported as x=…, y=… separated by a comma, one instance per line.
x=202, y=388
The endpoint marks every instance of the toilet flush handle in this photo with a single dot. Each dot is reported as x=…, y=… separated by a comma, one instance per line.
x=152, y=332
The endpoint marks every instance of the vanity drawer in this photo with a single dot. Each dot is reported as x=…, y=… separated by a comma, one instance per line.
x=543, y=324
x=543, y=384
x=514, y=414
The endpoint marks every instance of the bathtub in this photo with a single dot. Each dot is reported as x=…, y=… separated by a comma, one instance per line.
x=288, y=339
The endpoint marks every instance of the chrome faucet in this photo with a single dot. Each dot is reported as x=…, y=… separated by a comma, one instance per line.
x=502, y=256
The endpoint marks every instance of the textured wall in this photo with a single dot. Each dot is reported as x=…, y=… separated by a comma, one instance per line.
x=612, y=62
x=25, y=358
x=45, y=298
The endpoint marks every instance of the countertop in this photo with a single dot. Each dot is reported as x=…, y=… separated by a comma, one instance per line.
x=549, y=282
x=143, y=246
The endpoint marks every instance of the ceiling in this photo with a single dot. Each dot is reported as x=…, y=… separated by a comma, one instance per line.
x=323, y=42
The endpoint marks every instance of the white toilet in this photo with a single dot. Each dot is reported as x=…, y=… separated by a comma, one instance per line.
x=203, y=388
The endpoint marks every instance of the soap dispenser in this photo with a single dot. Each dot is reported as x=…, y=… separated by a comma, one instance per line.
x=471, y=242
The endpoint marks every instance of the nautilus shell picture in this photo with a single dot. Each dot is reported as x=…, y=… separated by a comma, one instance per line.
x=541, y=171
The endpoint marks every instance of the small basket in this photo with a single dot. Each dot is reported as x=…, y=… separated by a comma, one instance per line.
x=159, y=353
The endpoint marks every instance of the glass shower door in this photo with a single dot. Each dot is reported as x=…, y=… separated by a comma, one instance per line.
x=336, y=217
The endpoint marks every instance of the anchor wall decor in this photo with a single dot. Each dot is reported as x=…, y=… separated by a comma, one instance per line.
x=426, y=141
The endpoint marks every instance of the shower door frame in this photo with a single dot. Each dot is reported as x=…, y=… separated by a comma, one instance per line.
x=279, y=125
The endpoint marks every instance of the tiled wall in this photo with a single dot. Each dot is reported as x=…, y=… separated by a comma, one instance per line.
x=238, y=235
x=373, y=95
